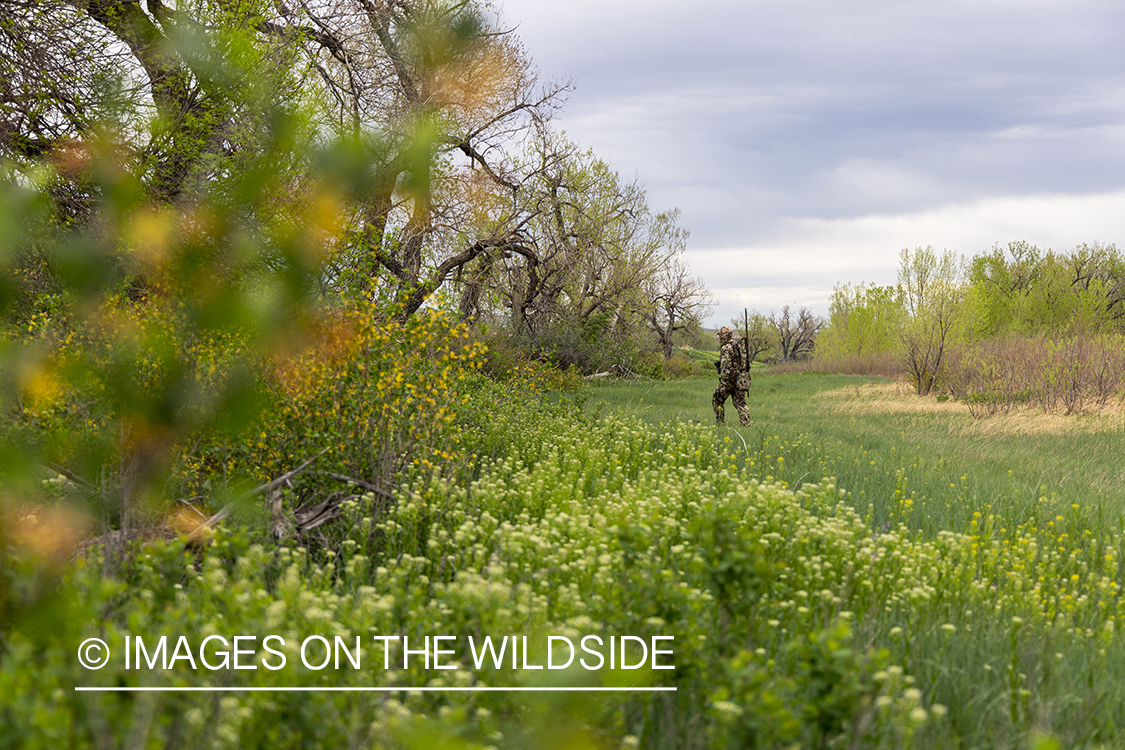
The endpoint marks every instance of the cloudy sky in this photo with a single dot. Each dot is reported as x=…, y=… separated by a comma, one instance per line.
x=808, y=141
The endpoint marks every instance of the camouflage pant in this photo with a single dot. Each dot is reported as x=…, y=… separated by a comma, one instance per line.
x=737, y=397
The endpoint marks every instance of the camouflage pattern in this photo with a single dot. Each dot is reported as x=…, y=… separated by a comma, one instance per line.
x=729, y=359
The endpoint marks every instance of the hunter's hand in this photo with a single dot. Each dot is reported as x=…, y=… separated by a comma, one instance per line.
x=718, y=367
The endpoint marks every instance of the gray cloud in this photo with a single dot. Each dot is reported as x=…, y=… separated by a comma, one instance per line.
x=757, y=118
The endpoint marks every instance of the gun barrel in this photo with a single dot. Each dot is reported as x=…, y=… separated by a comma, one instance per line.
x=746, y=336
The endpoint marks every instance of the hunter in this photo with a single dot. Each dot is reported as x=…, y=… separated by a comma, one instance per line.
x=734, y=377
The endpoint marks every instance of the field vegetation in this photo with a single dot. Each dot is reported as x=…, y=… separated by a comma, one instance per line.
x=1032, y=485
x=317, y=328
x=926, y=597
x=886, y=444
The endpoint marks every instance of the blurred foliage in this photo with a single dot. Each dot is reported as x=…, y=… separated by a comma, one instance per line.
x=162, y=320
x=146, y=341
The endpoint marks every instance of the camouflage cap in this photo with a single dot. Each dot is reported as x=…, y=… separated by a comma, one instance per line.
x=724, y=333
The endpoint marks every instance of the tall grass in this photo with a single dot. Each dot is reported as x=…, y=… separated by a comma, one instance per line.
x=794, y=623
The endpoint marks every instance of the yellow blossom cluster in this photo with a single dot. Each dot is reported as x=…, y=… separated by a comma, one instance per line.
x=375, y=394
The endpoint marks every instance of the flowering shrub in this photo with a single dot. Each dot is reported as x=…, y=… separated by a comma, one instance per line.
x=373, y=394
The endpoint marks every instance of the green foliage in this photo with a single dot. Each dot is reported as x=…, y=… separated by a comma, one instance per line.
x=805, y=617
x=1016, y=495
x=931, y=292
x=605, y=284
x=693, y=336
x=564, y=346
x=887, y=446
x=862, y=321
x=514, y=417
x=143, y=335
x=1021, y=289
x=152, y=349
x=681, y=366
x=369, y=398
x=163, y=317
x=708, y=356
x=817, y=630
x=1004, y=296
x=761, y=334
x=835, y=693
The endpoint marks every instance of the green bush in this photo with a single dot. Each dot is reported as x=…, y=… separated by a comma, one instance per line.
x=680, y=366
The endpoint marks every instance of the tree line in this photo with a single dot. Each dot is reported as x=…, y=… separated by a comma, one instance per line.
x=944, y=307
x=969, y=326
x=469, y=199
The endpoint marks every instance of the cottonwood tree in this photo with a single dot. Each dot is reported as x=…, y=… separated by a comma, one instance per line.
x=598, y=253
x=186, y=89
x=1077, y=292
x=675, y=301
x=862, y=320
x=795, y=337
x=1097, y=277
x=448, y=98
x=999, y=285
x=599, y=242
x=931, y=296
x=53, y=88
x=464, y=179
x=1023, y=289
x=435, y=97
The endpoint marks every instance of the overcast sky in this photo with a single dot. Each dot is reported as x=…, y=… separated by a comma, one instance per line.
x=808, y=141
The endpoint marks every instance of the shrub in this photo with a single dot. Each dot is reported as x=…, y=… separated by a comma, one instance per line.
x=1071, y=375
x=372, y=393
x=680, y=366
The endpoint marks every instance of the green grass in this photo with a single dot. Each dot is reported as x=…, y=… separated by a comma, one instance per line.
x=946, y=464
x=702, y=355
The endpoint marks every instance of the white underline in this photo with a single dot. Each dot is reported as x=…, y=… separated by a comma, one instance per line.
x=376, y=689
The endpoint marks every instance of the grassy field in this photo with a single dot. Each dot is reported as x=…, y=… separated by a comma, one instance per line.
x=957, y=585
x=1044, y=494
x=904, y=457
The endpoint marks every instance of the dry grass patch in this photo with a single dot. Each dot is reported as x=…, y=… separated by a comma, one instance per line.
x=887, y=398
x=899, y=398
x=1036, y=422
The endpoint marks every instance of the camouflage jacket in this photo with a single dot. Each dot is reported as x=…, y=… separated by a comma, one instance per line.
x=730, y=363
